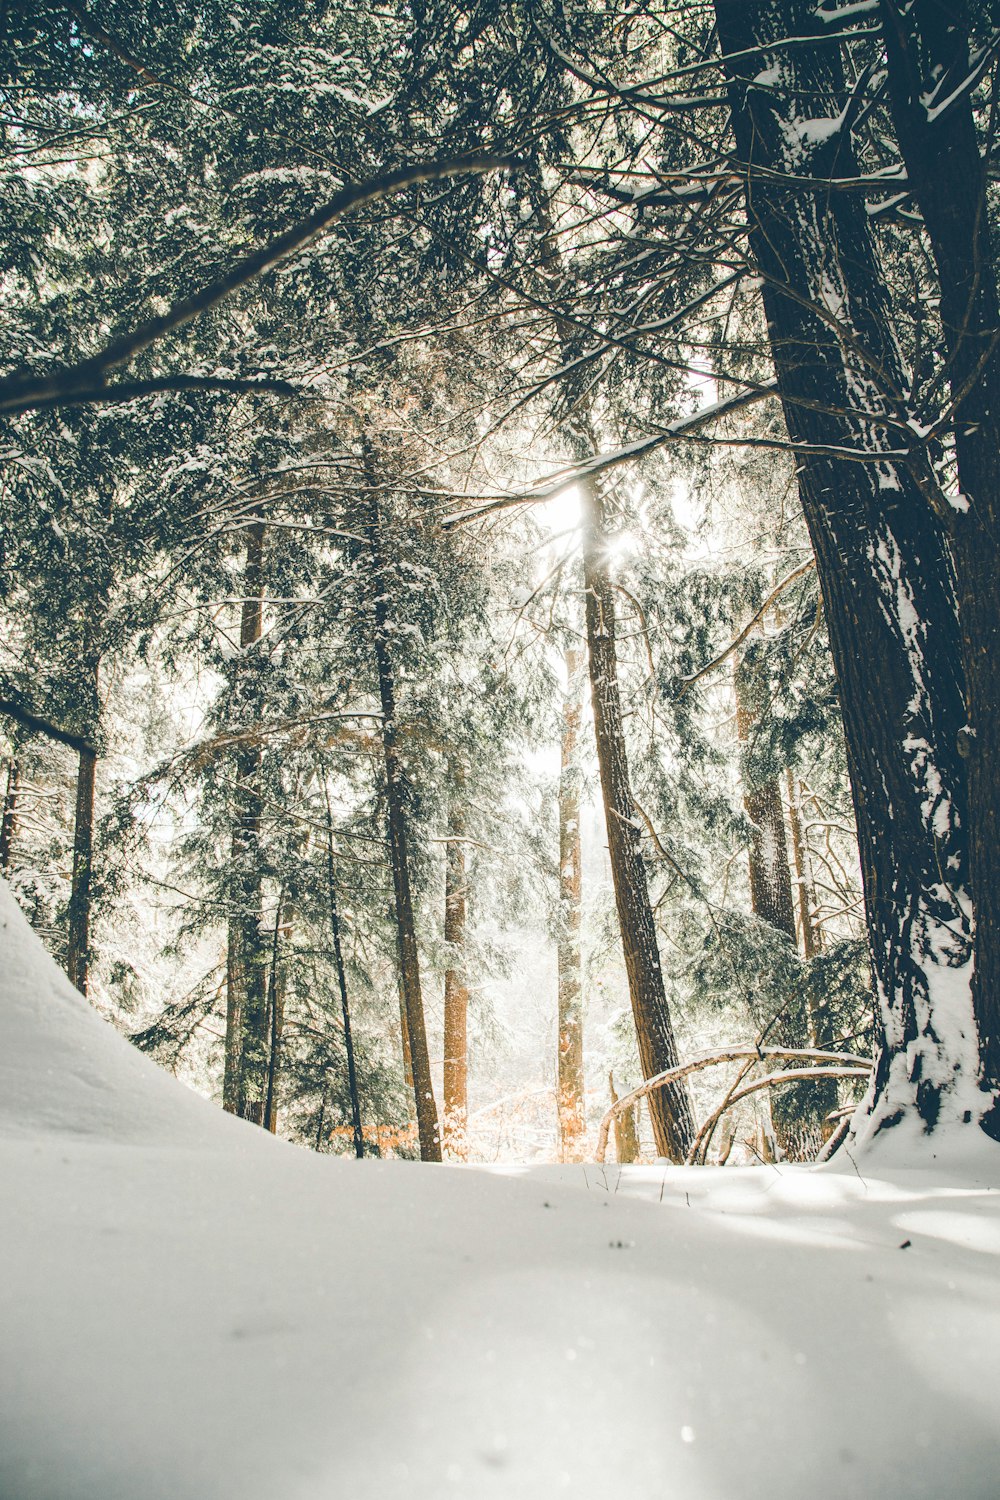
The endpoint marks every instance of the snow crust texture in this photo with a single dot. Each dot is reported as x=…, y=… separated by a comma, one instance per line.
x=189, y=1308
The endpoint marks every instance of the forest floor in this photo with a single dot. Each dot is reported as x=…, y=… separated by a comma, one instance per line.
x=190, y=1308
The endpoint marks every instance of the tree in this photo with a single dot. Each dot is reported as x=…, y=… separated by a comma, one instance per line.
x=881, y=551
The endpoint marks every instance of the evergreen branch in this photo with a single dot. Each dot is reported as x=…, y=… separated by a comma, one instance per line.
x=22, y=392
x=754, y=620
x=130, y=390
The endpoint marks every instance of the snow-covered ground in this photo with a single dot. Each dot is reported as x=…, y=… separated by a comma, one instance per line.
x=191, y=1308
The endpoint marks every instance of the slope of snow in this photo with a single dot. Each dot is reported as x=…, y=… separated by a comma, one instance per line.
x=190, y=1308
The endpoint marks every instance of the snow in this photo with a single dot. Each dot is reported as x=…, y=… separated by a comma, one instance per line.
x=190, y=1307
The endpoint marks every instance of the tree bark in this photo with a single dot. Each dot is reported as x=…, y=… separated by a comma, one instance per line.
x=456, y=990
x=669, y=1108
x=881, y=553
x=247, y=1047
x=395, y=782
x=78, y=942
x=8, y=824
x=570, y=1077
x=927, y=50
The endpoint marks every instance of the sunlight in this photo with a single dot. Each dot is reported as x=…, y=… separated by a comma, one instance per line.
x=564, y=512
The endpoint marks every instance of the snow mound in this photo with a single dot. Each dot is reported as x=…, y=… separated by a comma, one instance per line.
x=65, y=1070
x=189, y=1308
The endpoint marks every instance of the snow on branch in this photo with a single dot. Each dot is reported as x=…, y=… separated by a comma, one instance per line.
x=573, y=474
x=24, y=391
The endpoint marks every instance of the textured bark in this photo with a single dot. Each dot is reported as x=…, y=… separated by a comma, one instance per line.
x=78, y=942
x=570, y=1079
x=8, y=823
x=669, y=1108
x=928, y=55
x=881, y=553
x=406, y=934
x=247, y=1046
x=456, y=990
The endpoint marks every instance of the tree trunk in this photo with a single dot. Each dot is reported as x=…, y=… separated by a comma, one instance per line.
x=277, y=987
x=626, y=1131
x=8, y=824
x=247, y=1048
x=881, y=555
x=345, y=1009
x=670, y=1107
x=456, y=991
x=770, y=877
x=798, y=1111
x=812, y=942
x=78, y=943
x=570, y=1078
x=395, y=790
x=927, y=50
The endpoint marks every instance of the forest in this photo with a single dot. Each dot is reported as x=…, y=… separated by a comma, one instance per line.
x=499, y=598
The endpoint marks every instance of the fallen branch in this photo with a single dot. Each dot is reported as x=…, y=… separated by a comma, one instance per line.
x=711, y=1059
x=770, y=1080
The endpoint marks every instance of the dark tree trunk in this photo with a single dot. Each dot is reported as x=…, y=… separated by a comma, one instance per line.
x=881, y=553
x=357, y=1128
x=456, y=989
x=247, y=1048
x=670, y=1107
x=928, y=55
x=276, y=989
x=78, y=942
x=395, y=790
x=8, y=824
x=570, y=1079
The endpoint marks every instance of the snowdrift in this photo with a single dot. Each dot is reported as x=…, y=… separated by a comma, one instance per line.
x=190, y=1308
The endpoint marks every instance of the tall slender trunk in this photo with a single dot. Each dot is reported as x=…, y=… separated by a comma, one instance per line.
x=670, y=1107
x=812, y=938
x=8, y=823
x=247, y=1047
x=881, y=554
x=395, y=783
x=927, y=48
x=276, y=990
x=626, y=1129
x=770, y=877
x=345, y=1009
x=570, y=1078
x=797, y=1112
x=456, y=989
x=78, y=943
